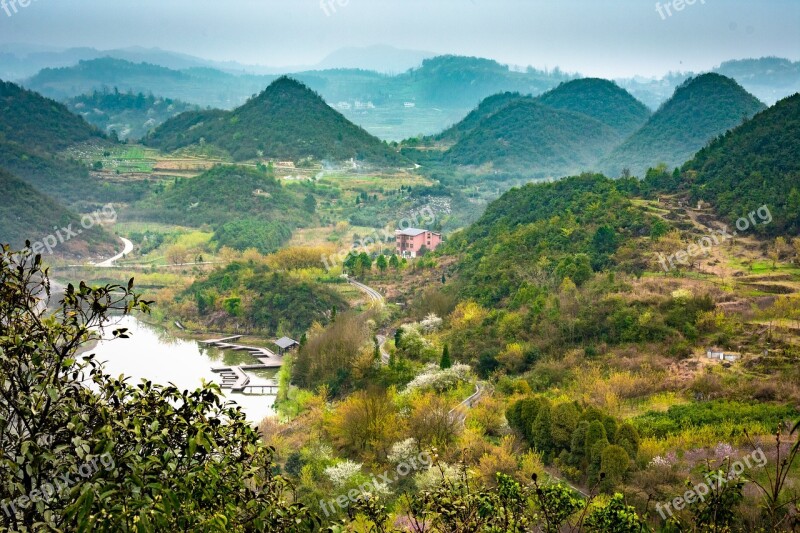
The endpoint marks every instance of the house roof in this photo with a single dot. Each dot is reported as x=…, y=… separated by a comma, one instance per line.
x=412, y=232
x=285, y=342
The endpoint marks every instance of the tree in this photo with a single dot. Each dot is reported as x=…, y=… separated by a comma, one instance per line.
x=398, y=338
x=565, y=421
x=124, y=446
x=430, y=421
x=796, y=246
x=542, y=431
x=394, y=262
x=382, y=263
x=614, y=462
x=628, y=438
x=616, y=517
x=366, y=421
x=445, y=361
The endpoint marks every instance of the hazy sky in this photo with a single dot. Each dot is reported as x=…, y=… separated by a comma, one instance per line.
x=594, y=37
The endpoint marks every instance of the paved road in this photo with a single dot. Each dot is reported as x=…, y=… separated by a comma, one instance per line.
x=109, y=263
x=384, y=354
x=374, y=295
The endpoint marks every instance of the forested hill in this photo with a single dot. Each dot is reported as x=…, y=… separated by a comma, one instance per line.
x=602, y=100
x=130, y=115
x=756, y=164
x=286, y=121
x=485, y=109
x=536, y=139
x=27, y=214
x=701, y=109
x=247, y=208
x=540, y=234
x=34, y=122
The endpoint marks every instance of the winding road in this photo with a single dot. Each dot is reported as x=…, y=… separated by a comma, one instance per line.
x=374, y=296
x=109, y=263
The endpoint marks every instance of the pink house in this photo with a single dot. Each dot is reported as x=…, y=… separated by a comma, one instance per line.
x=410, y=241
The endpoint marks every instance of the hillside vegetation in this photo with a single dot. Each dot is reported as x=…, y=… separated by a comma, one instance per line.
x=756, y=164
x=247, y=207
x=701, y=108
x=538, y=140
x=286, y=121
x=602, y=100
x=128, y=115
x=27, y=214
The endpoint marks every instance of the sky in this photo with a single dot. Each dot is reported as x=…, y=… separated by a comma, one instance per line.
x=610, y=38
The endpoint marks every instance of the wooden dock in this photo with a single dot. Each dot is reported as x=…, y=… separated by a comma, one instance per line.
x=235, y=378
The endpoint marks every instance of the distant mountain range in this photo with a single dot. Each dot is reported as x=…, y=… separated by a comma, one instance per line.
x=434, y=93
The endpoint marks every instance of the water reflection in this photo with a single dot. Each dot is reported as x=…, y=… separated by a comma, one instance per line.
x=158, y=355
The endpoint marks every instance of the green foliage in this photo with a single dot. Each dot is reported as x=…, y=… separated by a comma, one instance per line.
x=616, y=517
x=135, y=458
x=275, y=299
x=734, y=415
x=131, y=114
x=526, y=133
x=601, y=100
x=264, y=235
x=701, y=108
x=32, y=121
x=27, y=214
x=550, y=229
x=753, y=165
x=445, y=362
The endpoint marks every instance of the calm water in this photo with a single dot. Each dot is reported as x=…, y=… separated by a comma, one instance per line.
x=158, y=355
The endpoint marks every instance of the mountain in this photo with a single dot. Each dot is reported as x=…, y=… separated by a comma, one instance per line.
x=531, y=137
x=201, y=86
x=27, y=214
x=768, y=78
x=488, y=106
x=129, y=115
x=286, y=121
x=379, y=58
x=457, y=81
x=246, y=207
x=602, y=100
x=34, y=131
x=34, y=122
x=754, y=165
x=701, y=109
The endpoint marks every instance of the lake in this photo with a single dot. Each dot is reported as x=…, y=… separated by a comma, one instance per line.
x=162, y=357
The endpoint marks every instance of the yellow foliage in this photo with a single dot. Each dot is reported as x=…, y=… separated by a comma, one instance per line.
x=468, y=314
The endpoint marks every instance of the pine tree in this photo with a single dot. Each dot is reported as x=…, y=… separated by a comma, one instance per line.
x=445, y=362
x=398, y=338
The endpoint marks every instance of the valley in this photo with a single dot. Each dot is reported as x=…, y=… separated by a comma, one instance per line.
x=459, y=296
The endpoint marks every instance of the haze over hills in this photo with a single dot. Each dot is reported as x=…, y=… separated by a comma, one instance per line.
x=27, y=214
x=129, y=115
x=700, y=109
x=34, y=133
x=529, y=136
x=602, y=100
x=286, y=121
